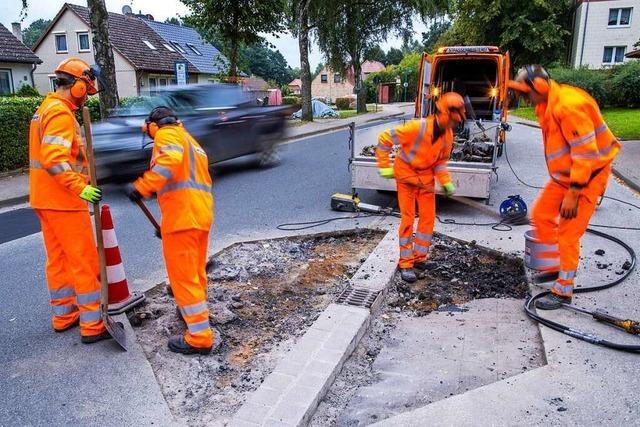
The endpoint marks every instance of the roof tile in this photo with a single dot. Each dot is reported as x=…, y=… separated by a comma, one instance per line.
x=13, y=50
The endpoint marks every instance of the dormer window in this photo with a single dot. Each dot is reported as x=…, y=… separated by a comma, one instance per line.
x=149, y=45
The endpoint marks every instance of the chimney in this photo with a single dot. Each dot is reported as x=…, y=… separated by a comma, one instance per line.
x=17, y=31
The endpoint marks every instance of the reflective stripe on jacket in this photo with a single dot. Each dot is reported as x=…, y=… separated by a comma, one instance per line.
x=419, y=154
x=57, y=160
x=577, y=141
x=179, y=174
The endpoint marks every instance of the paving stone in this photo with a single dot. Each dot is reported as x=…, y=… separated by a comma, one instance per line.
x=240, y=423
x=289, y=367
x=289, y=413
x=252, y=413
x=278, y=382
x=265, y=396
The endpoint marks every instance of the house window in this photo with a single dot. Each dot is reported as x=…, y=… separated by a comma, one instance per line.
x=323, y=78
x=83, y=42
x=613, y=54
x=619, y=17
x=169, y=48
x=61, y=43
x=5, y=82
x=193, y=48
x=149, y=45
x=337, y=78
x=178, y=47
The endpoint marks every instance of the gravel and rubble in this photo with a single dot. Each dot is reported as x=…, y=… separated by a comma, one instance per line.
x=440, y=336
x=262, y=296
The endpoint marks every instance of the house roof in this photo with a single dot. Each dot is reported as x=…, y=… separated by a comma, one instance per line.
x=633, y=54
x=126, y=34
x=211, y=61
x=13, y=50
x=255, y=83
x=372, y=66
x=295, y=82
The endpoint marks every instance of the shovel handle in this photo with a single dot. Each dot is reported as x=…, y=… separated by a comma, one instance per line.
x=149, y=216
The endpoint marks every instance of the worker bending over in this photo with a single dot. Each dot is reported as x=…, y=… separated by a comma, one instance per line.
x=179, y=175
x=578, y=149
x=424, y=149
x=59, y=192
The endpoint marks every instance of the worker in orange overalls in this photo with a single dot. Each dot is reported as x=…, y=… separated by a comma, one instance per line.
x=424, y=149
x=59, y=192
x=179, y=175
x=579, y=149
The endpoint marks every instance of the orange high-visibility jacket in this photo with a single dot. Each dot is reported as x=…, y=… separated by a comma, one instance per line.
x=419, y=154
x=179, y=174
x=57, y=157
x=577, y=141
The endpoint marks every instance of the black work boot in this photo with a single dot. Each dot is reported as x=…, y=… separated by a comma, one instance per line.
x=408, y=275
x=425, y=265
x=90, y=339
x=177, y=344
x=552, y=302
x=180, y=316
x=543, y=277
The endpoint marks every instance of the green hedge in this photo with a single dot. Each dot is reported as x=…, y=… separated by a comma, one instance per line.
x=343, y=103
x=16, y=113
x=624, y=85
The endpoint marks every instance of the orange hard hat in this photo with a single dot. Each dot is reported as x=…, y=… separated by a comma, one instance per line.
x=451, y=102
x=84, y=76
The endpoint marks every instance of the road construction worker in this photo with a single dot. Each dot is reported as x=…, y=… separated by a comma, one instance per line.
x=179, y=175
x=59, y=192
x=424, y=147
x=579, y=149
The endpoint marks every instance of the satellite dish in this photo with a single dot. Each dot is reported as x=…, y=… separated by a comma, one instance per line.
x=126, y=10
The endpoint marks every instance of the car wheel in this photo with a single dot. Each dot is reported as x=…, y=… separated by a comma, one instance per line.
x=269, y=156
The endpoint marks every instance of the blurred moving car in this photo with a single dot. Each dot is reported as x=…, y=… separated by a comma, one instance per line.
x=226, y=121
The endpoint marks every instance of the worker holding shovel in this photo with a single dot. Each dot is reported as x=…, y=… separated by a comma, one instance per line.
x=424, y=149
x=179, y=175
x=579, y=149
x=59, y=192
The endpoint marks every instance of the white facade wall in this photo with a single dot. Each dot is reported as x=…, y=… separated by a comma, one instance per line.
x=20, y=74
x=70, y=24
x=589, y=50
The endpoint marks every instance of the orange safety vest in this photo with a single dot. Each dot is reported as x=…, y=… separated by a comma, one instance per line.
x=577, y=142
x=57, y=159
x=419, y=154
x=179, y=174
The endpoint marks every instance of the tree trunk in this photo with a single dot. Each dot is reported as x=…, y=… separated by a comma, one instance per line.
x=103, y=55
x=305, y=77
x=361, y=92
x=233, y=61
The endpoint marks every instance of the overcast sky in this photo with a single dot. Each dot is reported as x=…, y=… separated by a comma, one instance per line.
x=161, y=10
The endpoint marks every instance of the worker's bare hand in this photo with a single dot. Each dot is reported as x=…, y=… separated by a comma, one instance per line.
x=569, y=208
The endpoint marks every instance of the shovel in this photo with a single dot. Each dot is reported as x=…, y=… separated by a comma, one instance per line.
x=114, y=328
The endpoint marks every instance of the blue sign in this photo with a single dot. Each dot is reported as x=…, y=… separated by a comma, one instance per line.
x=182, y=72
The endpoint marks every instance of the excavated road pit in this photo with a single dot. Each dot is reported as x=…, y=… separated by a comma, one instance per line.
x=459, y=327
x=262, y=295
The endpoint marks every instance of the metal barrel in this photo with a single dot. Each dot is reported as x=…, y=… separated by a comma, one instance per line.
x=540, y=256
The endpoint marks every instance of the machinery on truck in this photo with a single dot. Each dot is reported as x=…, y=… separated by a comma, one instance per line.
x=478, y=73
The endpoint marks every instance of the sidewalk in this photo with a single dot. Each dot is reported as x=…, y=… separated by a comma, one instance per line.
x=14, y=188
x=627, y=164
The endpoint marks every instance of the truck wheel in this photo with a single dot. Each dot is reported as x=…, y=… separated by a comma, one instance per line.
x=269, y=155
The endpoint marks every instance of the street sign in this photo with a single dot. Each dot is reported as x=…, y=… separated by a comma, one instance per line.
x=182, y=72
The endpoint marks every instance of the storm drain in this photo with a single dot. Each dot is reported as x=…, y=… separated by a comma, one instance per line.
x=359, y=297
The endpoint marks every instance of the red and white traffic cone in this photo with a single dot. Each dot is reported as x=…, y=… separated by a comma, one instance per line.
x=120, y=299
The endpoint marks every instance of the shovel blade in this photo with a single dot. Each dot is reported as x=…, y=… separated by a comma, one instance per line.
x=116, y=329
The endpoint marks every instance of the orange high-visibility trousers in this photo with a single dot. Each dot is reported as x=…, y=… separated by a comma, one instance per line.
x=551, y=229
x=185, y=255
x=416, y=249
x=72, y=270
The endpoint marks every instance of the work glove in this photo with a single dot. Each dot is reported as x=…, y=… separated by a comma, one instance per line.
x=569, y=208
x=449, y=189
x=91, y=194
x=131, y=192
x=386, y=173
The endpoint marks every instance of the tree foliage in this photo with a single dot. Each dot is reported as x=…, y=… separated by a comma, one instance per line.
x=394, y=56
x=375, y=53
x=349, y=28
x=269, y=64
x=532, y=31
x=236, y=22
x=436, y=30
x=34, y=31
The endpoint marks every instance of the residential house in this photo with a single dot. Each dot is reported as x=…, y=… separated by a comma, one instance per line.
x=16, y=60
x=145, y=52
x=331, y=85
x=604, y=31
x=295, y=87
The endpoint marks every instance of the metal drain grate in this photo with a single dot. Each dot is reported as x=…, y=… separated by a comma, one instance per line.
x=359, y=297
